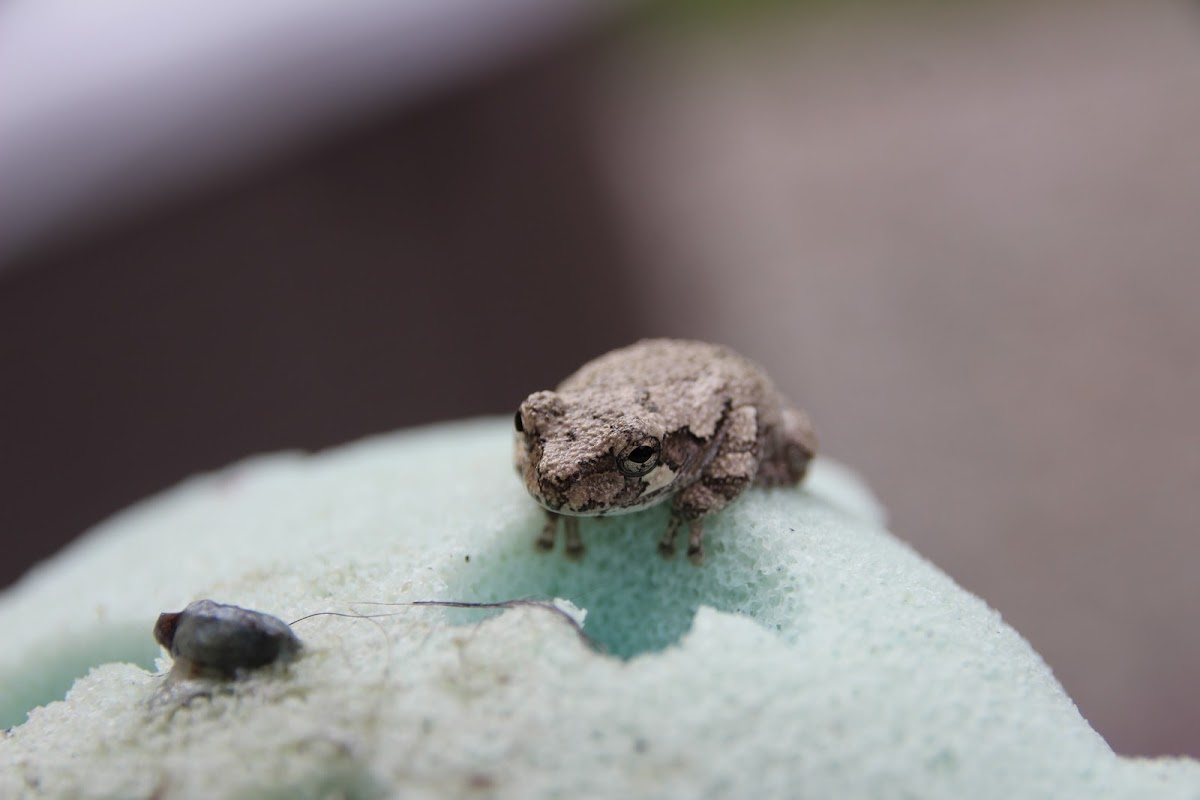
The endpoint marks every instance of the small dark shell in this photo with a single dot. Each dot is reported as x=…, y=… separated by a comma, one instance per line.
x=220, y=639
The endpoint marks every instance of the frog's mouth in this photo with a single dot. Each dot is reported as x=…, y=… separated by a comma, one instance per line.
x=603, y=494
x=603, y=512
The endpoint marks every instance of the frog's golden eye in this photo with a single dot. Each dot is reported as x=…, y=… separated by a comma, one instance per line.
x=639, y=458
x=520, y=426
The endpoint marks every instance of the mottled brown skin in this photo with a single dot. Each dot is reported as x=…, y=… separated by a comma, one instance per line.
x=662, y=419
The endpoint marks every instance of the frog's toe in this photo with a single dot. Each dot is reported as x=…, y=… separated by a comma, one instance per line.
x=695, y=551
x=666, y=545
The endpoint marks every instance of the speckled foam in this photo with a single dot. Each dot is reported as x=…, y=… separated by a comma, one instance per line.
x=813, y=655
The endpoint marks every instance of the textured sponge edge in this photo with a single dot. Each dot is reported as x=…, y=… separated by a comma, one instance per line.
x=813, y=653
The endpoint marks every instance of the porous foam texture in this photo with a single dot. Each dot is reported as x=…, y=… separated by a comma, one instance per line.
x=812, y=655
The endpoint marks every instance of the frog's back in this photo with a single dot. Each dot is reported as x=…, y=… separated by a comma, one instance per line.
x=663, y=363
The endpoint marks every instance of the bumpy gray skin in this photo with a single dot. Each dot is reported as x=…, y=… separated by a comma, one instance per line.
x=662, y=419
x=216, y=640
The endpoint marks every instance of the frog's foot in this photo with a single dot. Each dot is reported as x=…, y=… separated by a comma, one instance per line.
x=545, y=539
x=575, y=548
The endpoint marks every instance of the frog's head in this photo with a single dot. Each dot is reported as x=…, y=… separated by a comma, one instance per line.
x=589, y=459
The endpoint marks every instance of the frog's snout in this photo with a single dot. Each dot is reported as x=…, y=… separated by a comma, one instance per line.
x=552, y=490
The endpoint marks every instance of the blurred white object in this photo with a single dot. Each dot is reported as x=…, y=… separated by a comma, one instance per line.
x=109, y=104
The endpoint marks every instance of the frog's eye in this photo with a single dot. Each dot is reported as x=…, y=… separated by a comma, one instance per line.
x=520, y=426
x=639, y=458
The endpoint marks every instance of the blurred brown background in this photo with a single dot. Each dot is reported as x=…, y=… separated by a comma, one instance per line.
x=963, y=238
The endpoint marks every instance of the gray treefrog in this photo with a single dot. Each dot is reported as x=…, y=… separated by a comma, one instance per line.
x=661, y=419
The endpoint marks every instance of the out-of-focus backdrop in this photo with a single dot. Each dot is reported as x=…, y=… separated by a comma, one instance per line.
x=965, y=237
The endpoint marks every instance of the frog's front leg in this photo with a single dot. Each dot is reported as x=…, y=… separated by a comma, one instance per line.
x=666, y=545
x=545, y=540
x=731, y=469
x=574, y=548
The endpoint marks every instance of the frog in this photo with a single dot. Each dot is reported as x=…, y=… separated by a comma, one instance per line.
x=662, y=420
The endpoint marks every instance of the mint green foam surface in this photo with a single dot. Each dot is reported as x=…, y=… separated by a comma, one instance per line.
x=813, y=655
